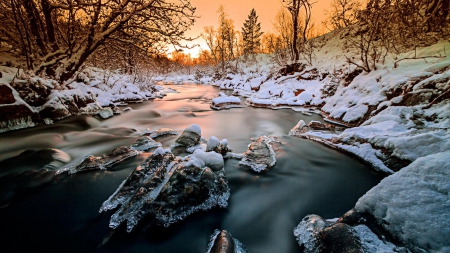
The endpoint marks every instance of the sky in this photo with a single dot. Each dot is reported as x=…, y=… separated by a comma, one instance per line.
x=238, y=10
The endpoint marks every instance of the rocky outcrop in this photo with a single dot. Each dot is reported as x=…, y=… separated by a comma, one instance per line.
x=223, y=242
x=260, y=154
x=169, y=188
x=116, y=156
x=14, y=112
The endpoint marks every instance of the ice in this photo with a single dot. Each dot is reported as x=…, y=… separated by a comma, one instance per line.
x=307, y=231
x=370, y=242
x=106, y=113
x=412, y=204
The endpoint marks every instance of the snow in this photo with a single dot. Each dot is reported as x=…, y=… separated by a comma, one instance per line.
x=370, y=242
x=307, y=230
x=413, y=203
x=161, y=151
x=194, y=128
x=225, y=99
x=212, y=143
x=203, y=159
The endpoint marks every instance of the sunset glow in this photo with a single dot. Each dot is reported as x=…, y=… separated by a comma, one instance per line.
x=238, y=10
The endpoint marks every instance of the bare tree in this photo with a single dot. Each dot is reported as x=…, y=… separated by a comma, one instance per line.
x=294, y=7
x=57, y=36
x=342, y=13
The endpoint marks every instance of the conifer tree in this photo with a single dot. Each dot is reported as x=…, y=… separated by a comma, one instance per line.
x=251, y=33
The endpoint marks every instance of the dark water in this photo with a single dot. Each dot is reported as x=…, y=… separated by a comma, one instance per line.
x=46, y=213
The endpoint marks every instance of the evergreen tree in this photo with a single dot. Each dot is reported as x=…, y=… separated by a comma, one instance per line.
x=251, y=33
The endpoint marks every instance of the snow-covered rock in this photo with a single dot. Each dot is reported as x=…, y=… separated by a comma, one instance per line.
x=220, y=147
x=260, y=154
x=14, y=112
x=106, y=113
x=169, y=188
x=190, y=137
x=412, y=204
x=225, y=102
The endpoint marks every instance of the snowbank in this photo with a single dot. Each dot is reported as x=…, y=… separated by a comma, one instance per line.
x=413, y=204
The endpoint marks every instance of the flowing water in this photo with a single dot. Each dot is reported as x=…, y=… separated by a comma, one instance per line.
x=41, y=212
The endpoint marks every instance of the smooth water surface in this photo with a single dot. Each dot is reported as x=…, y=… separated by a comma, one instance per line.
x=42, y=212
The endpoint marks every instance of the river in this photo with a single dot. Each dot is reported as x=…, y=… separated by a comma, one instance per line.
x=42, y=212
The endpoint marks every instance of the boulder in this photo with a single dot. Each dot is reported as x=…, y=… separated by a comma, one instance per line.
x=260, y=154
x=317, y=125
x=168, y=188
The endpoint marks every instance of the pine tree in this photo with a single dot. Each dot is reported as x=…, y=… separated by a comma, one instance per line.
x=251, y=33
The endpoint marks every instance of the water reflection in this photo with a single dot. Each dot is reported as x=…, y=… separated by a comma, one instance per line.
x=263, y=208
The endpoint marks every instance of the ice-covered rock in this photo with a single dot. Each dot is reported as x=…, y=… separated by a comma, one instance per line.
x=190, y=137
x=318, y=235
x=225, y=102
x=223, y=242
x=116, y=156
x=260, y=154
x=106, y=113
x=169, y=188
x=317, y=125
x=220, y=147
x=14, y=112
x=159, y=132
x=145, y=143
x=48, y=121
x=299, y=129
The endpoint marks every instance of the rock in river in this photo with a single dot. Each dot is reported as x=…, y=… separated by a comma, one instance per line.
x=116, y=156
x=223, y=242
x=190, y=137
x=217, y=146
x=169, y=188
x=225, y=102
x=260, y=154
x=145, y=143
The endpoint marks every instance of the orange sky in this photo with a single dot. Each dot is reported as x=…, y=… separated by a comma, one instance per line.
x=238, y=10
